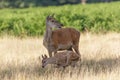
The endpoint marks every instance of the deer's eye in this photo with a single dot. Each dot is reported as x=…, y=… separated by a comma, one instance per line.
x=43, y=61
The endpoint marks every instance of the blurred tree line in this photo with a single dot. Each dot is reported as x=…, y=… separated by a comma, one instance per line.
x=35, y=3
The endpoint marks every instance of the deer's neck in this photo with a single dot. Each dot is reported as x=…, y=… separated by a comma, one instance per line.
x=47, y=36
x=48, y=33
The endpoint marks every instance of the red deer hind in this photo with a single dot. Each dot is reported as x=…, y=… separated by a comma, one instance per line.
x=61, y=38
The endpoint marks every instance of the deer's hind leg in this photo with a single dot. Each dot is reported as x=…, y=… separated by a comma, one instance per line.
x=76, y=48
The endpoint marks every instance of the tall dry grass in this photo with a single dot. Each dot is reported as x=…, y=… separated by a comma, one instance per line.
x=100, y=59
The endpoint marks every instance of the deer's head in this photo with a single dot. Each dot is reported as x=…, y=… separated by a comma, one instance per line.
x=51, y=22
x=44, y=60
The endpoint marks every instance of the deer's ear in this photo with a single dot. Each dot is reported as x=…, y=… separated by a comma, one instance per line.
x=42, y=56
x=52, y=15
x=48, y=16
x=45, y=56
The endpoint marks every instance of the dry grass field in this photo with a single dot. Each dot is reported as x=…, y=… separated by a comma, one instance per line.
x=100, y=59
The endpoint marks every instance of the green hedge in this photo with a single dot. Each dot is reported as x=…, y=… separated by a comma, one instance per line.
x=97, y=18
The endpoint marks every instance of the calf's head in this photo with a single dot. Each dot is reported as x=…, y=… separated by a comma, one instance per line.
x=44, y=60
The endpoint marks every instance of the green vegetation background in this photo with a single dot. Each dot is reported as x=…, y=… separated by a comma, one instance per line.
x=35, y=3
x=97, y=18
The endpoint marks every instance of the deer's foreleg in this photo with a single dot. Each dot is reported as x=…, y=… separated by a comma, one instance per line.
x=50, y=53
x=50, y=49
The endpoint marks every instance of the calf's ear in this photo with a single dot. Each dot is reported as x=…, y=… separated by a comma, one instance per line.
x=45, y=56
x=42, y=56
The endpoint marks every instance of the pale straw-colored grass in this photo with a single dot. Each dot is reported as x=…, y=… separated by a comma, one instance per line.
x=100, y=59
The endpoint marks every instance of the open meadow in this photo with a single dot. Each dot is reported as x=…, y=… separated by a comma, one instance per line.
x=100, y=59
x=21, y=42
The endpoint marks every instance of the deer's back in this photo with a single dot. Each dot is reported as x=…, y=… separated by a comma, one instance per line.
x=62, y=56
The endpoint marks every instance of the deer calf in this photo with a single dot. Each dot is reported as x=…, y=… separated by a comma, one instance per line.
x=61, y=59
